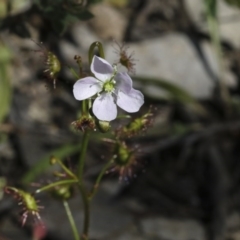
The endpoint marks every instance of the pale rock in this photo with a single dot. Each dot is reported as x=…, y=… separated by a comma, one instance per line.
x=229, y=20
x=233, y=221
x=84, y=36
x=173, y=229
x=108, y=22
x=174, y=58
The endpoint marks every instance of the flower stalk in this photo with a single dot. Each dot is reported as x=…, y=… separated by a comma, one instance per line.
x=56, y=184
x=94, y=45
x=81, y=186
x=71, y=220
x=83, y=155
x=86, y=208
x=99, y=178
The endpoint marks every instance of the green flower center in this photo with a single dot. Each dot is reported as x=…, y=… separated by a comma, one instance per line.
x=109, y=86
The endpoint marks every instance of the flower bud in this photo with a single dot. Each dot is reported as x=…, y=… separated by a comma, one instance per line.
x=103, y=126
x=52, y=160
x=53, y=66
x=137, y=125
x=63, y=192
x=52, y=63
x=125, y=161
x=122, y=153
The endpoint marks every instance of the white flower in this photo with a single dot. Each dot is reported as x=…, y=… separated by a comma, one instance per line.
x=112, y=89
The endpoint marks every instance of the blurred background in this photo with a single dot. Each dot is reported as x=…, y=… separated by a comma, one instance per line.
x=187, y=64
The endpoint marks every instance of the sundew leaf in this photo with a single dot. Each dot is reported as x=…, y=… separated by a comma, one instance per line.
x=43, y=164
x=174, y=92
x=5, y=85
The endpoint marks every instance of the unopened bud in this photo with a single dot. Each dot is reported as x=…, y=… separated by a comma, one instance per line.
x=53, y=67
x=53, y=160
x=63, y=192
x=138, y=125
x=125, y=161
x=122, y=153
x=52, y=63
x=103, y=126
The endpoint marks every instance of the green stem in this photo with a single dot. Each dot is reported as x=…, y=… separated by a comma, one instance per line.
x=71, y=220
x=65, y=169
x=81, y=186
x=89, y=103
x=85, y=109
x=82, y=155
x=86, y=207
x=99, y=178
x=55, y=184
x=79, y=63
x=75, y=75
x=91, y=51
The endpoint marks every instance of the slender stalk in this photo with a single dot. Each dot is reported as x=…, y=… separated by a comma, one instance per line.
x=79, y=62
x=82, y=189
x=55, y=184
x=86, y=207
x=82, y=155
x=91, y=51
x=75, y=75
x=65, y=169
x=89, y=103
x=84, y=108
x=71, y=220
x=99, y=178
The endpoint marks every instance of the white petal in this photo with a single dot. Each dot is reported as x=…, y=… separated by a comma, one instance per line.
x=130, y=102
x=123, y=82
x=104, y=107
x=86, y=87
x=101, y=68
